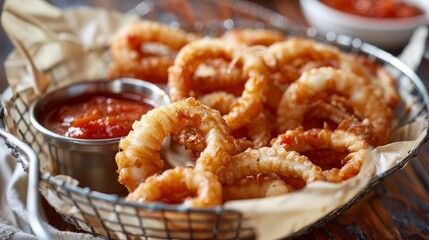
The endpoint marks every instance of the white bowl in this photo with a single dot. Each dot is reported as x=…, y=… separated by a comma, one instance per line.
x=385, y=33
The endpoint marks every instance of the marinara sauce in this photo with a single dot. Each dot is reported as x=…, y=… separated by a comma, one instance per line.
x=375, y=8
x=98, y=116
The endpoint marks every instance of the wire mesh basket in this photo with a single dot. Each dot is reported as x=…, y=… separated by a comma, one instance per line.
x=110, y=216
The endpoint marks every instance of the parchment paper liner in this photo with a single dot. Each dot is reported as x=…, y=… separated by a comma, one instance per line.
x=56, y=47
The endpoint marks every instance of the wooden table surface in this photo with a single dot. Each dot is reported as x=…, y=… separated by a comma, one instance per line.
x=398, y=208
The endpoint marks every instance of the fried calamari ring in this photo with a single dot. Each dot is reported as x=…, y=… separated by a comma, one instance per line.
x=140, y=155
x=258, y=131
x=192, y=140
x=296, y=55
x=387, y=85
x=255, y=187
x=361, y=128
x=287, y=60
x=270, y=161
x=153, y=69
x=366, y=104
x=253, y=37
x=379, y=77
x=217, y=73
x=336, y=114
x=220, y=100
x=320, y=109
x=249, y=104
x=130, y=58
x=339, y=141
x=326, y=158
x=180, y=186
x=195, y=142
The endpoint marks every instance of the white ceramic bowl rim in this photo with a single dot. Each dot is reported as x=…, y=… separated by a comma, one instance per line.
x=367, y=22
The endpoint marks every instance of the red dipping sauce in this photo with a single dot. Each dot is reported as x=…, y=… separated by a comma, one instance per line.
x=375, y=8
x=98, y=116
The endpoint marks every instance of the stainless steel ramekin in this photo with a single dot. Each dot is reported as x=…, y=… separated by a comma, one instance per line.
x=91, y=162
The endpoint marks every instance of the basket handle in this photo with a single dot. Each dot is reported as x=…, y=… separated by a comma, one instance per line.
x=30, y=162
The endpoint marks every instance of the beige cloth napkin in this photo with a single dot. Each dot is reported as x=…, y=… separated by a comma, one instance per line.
x=13, y=197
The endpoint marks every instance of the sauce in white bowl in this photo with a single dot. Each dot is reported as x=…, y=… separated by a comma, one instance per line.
x=384, y=32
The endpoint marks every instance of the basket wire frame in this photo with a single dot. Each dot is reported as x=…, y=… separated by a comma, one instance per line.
x=111, y=217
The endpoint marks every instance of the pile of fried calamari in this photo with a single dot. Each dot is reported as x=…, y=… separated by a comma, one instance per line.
x=262, y=113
